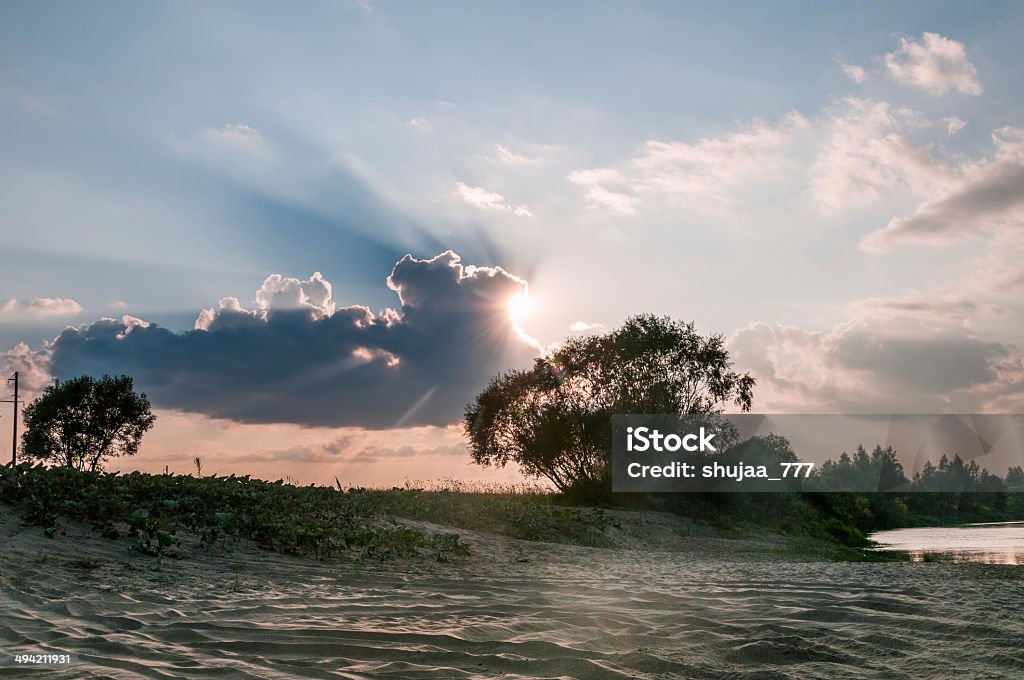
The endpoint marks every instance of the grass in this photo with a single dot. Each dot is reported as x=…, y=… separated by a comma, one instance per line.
x=524, y=511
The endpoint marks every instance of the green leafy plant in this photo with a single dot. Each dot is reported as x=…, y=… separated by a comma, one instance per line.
x=153, y=535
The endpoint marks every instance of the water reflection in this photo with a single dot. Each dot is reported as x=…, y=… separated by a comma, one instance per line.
x=1001, y=543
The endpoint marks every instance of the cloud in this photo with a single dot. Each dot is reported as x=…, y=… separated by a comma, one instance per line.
x=47, y=307
x=241, y=154
x=279, y=293
x=32, y=367
x=935, y=64
x=487, y=200
x=982, y=296
x=237, y=148
x=41, y=308
x=993, y=274
x=988, y=198
x=879, y=361
x=595, y=176
x=586, y=327
x=854, y=72
x=235, y=135
x=992, y=201
x=523, y=154
x=506, y=155
x=355, y=455
x=318, y=452
x=376, y=454
x=704, y=169
x=347, y=448
x=295, y=358
x=480, y=197
x=915, y=358
x=867, y=154
x=612, y=200
x=420, y=123
x=954, y=125
x=922, y=350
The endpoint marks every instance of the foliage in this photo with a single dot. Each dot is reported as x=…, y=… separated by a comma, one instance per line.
x=79, y=423
x=952, y=492
x=153, y=534
x=880, y=469
x=555, y=419
x=531, y=517
x=313, y=521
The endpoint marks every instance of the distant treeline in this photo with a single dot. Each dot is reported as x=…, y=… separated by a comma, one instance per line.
x=832, y=502
x=953, y=492
x=827, y=506
x=882, y=469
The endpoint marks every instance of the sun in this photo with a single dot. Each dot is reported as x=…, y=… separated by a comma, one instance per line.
x=519, y=307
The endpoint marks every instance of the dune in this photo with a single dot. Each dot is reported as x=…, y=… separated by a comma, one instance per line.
x=660, y=605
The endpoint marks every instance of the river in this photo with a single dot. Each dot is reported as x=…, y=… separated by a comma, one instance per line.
x=996, y=543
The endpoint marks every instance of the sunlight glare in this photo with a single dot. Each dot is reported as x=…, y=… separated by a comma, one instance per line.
x=519, y=307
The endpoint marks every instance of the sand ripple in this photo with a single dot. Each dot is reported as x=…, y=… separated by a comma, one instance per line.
x=564, y=613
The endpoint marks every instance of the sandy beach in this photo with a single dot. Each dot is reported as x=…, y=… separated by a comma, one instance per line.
x=698, y=607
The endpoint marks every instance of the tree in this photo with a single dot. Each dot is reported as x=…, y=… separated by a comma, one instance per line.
x=555, y=419
x=83, y=421
x=1015, y=477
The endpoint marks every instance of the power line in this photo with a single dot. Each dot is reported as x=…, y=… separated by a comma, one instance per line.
x=14, y=426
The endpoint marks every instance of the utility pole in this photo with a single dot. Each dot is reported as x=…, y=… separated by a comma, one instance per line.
x=14, y=427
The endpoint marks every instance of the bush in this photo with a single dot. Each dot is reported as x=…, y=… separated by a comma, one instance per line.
x=311, y=521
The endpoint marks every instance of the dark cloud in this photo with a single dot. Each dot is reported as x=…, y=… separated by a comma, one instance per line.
x=961, y=212
x=952, y=309
x=345, y=449
x=376, y=454
x=878, y=363
x=924, y=364
x=324, y=452
x=295, y=359
x=990, y=199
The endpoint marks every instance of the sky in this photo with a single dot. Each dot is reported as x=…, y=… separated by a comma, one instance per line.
x=312, y=236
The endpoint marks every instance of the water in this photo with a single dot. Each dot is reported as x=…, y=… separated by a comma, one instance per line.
x=997, y=543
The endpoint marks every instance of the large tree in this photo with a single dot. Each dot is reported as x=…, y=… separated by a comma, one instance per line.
x=83, y=421
x=555, y=419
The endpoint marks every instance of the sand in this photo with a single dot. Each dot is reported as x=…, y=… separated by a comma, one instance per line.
x=661, y=606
